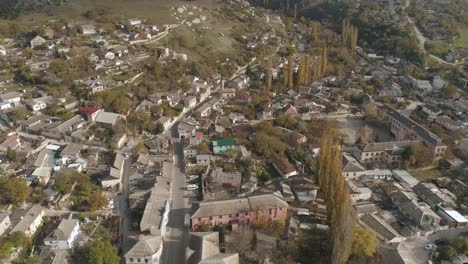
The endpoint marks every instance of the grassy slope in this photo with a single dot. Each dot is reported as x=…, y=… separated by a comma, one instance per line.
x=156, y=10
x=462, y=41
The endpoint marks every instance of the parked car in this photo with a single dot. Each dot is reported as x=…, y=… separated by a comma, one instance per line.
x=192, y=187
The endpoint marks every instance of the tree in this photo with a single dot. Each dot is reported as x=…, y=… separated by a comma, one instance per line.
x=461, y=245
x=447, y=253
x=158, y=129
x=335, y=192
x=418, y=155
x=287, y=120
x=268, y=145
x=33, y=260
x=63, y=184
x=101, y=252
x=96, y=201
x=449, y=91
x=11, y=154
x=6, y=249
x=315, y=30
x=364, y=242
x=269, y=74
x=59, y=66
x=290, y=71
x=139, y=120
x=13, y=190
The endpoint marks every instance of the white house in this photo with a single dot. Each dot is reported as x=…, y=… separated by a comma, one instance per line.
x=36, y=105
x=11, y=97
x=64, y=236
x=190, y=151
x=134, y=21
x=203, y=159
x=109, y=55
x=37, y=41
x=27, y=220
x=88, y=29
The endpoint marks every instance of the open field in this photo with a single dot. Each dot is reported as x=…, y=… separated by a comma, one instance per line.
x=427, y=175
x=462, y=41
x=158, y=11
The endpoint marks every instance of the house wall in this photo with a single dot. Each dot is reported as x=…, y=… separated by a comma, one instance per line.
x=34, y=225
x=4, y=225
x=153, y=259
x=252, y=217
x=110, y=183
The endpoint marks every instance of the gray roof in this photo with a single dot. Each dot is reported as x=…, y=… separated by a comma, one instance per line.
x=238, y=205
x=9, y=96
x=107, y=117
x=350, y=164
x=3, y=216
x=432, y=195
x=35, y=119
x=423, y=133
x=384, y=146
x=63, y=231
x=379, y=225
x=26, y=218
x=203, y=245
x=155, y=206
x=203, y=248
x=72, y=149
x=221, y=177
x=365, y=208
x=68, y=124
x=146, y=246
x=405, y=177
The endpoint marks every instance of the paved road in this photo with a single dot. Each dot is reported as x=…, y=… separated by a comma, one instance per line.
x=123, y=207
x=175, y=241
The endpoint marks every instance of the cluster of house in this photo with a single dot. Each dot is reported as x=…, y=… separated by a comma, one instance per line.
x=417, y=207
x=29, y=220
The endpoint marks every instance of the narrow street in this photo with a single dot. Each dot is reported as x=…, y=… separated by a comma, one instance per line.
x=176, y=237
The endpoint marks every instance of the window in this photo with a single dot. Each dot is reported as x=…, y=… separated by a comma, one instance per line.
x=230, y=215
x=131, y=259
x=237, y=215
x=199, y=219
x=211, y=218
x=270, y=211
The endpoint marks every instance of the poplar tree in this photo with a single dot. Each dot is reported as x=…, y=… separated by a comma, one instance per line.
x=269, y=74
x=315, y=29
x=324, y=60
x=334, y=191
x=290, y=70
x=302, y=71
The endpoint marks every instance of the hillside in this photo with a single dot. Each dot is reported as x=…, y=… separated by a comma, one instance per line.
x=13, y=8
